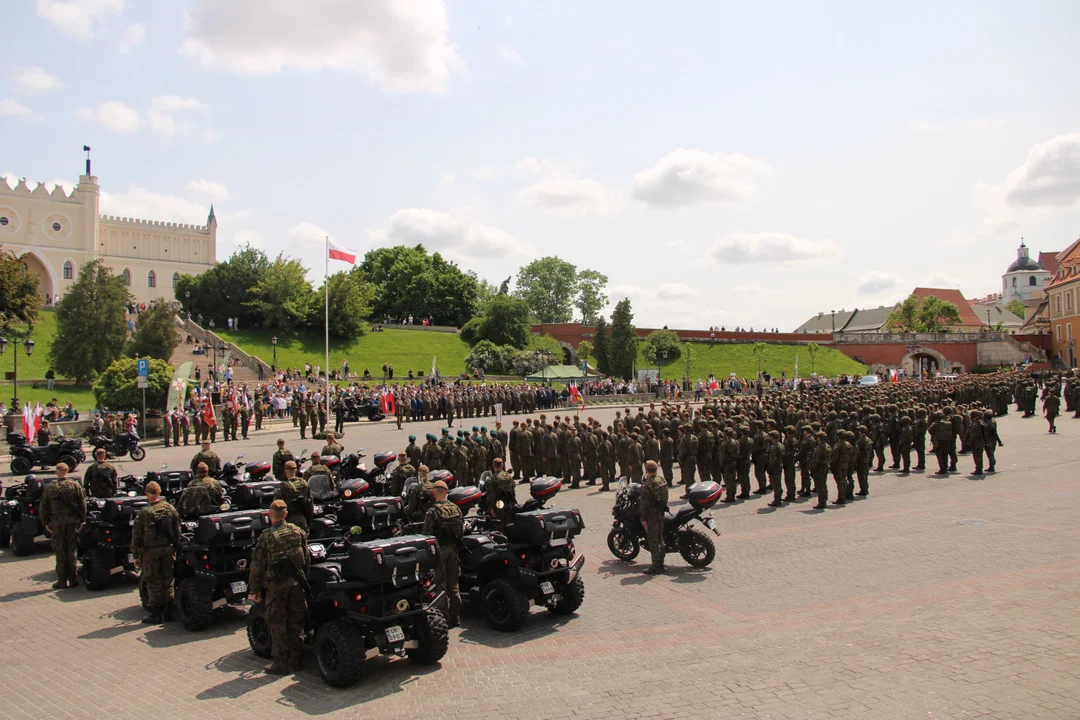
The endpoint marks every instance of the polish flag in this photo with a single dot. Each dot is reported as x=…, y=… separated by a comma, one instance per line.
x=340, y=253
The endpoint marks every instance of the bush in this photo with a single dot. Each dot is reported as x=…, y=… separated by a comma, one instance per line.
x=117, y=387
x=470, y=331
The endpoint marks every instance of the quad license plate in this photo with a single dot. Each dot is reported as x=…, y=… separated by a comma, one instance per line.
x=238, y=588
x=711, y=524
x=547, y=588
x=394, y=634
x=131, y=559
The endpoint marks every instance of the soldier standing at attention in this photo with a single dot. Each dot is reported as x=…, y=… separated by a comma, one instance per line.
x=819, y=468
x=413, y=451
x=277, y=463
x=208, y=456
x=941, y=431
x=1051, y=406
x=62, y=510
x=167, y=418
x=687, y=457
x=100, y=479
x=300, y=415
x=443, y=520
x=903, y=442
x=991, y=440
x=653, y=505
x=864, y=457
x=297, y=496
x=918, y=431
x=667, y=456
x=774, y=463
x=153, y=545
x=278, y=587
x=975, y=441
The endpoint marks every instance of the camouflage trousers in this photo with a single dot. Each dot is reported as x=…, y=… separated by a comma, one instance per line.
x=64, y=546
x=655, y=536
x=156, y=575
x=285, y=611
x=448, y=578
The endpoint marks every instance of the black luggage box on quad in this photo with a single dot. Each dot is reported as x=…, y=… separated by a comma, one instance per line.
x=122, y=508
x=35, y=485
x=704, y=495
x=257, y=468
x=445, y=475
x=253, y=495
x=230, y=527
x=542, y=526
x=353, y=488
x=15, y=438
x=545, y=488
x=383, y=561
x=384, y=458
x=370, y=513
x=465, y=497
x=172, y=482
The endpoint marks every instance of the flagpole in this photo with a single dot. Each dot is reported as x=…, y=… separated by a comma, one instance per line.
x=326, y=325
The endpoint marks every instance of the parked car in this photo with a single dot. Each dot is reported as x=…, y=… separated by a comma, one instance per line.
x=869, y=380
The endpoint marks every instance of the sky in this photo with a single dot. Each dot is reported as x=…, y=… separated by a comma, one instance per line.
x=724, y=164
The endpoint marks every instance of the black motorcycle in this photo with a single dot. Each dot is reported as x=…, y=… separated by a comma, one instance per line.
x=367, y=409
x=123, y=444
x=25, y=456
x=681, y=533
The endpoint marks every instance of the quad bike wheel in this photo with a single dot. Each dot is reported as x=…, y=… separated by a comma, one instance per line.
x=22, y=544
x=572, y=596
x=196, y=606
x=95, y=575
x=504, y=605
x=434, y=637
x=622, y=544
x=20, y=466
x=696, y=548
x=69, y=460
x=339, y=651
x=258, y=631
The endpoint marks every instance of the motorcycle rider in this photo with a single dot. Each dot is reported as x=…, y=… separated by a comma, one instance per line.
x=277, y=463
x=317, y=468
x=297, y=496
x=203, y=496
x=101, y=479
x=400, y=474
x=332, y=447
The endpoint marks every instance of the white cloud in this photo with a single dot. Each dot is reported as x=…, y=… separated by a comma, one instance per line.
x=447, y=181
x=172, y=115
x=401, y=46
x=768, y=248
x=78, y=17
x=115, y=116
x=510, y=55
x=988, y=123
x=210, y=189
x=27, y=80
x=691, y=177
x=242, y=238
x=1049, y=177
x=926, y=128
x=308, y=236
x=532, y=164
x=134, y=34
x=149, y=205
x=567, y=195
x=484, y=173
x=10, y=107
x=873, y=282
x=677, y=245
x=455, y=235
x=176, y=103
x=940, y=280
x=675, y=291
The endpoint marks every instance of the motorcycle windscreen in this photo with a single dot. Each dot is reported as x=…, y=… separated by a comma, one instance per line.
x=322, y=488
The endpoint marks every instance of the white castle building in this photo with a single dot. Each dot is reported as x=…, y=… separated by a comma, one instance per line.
x=56, y=233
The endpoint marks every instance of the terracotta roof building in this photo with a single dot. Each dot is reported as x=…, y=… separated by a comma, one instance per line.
x=969, y=321
x=1063, y=292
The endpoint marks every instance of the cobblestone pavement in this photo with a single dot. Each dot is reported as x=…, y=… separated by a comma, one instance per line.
x=885, y=608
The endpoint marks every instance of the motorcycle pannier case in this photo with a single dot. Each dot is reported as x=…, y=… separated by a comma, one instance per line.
x=252, y=495
x=172, y=482
x=542, y=526
x=392, y=560
x=123, y=508
x=230, y=527
x=465, y=497
x=703, y=495
x=35, y=485
x=382, y=459
x=256, y=467
x=370, y=513
x=353, y=488
x=544, y=488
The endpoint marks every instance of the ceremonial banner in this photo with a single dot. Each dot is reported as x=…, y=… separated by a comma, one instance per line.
x=178, y=386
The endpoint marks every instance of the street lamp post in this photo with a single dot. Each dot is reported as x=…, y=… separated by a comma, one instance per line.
x=29, y=345
x=273, y=341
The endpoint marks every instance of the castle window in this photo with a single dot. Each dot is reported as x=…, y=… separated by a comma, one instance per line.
x=175, y=280
x=69, y=270
x=151, y=279
x=1014, y=282
x=127, y=277
x=1031, y=281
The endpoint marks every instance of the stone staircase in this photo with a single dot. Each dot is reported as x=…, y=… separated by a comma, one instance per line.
x=245, y=372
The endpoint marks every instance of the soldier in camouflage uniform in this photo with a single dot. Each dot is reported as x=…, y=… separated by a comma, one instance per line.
x=444, y=522
x=62, y=510
x=431, y=454
x=841, y=458
x=153, y=546
x=941, y=430
x=272, y=581
x=332, y=447
x=401, y=473
x=500, y=489
x=101, y=479
x=413, y=451
x=296, y=494
x=652, y=505
x=687, y=456
x=774, y=463
x=903, y=443
x=316, y=468
x=991, y=440
x=819, y=468
x=864, y=457
x=208, y=456
x=203, y=496
x=277, y=463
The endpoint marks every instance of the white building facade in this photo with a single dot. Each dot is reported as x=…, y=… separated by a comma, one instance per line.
x=1024, y=279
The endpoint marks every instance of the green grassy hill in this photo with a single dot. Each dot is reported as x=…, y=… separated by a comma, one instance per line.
x=34, y=367
x=722, y=359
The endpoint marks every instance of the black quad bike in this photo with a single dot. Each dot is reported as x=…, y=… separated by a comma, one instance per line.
x=351, y=468
x=20, y=510
x=124, y=444
x=104, y=539
x=25, y=456
x=681, y=533
x=365, y=599
x=366, y=409
x=172, y=482
x=533, y=561
x=373, y=518
x=212, y=563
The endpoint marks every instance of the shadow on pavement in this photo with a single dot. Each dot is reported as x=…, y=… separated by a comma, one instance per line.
x=127, y=619
x=23, y=594
x=119, y=586
x=475, y=630
x=382, y=676
x=226, y=622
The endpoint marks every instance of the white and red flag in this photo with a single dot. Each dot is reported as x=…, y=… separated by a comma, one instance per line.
x=339, y=253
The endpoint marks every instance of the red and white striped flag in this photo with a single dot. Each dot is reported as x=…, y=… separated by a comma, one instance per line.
x=339, y=253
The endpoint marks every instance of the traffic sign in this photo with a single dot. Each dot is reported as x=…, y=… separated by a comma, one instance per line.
x=143, y=383
x=144, y=367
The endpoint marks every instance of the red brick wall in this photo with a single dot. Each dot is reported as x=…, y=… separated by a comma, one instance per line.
x=965, y=354
x=574, y=333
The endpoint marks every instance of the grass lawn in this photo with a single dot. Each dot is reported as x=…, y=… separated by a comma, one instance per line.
x=82, y=396
x=33, y=367
x=404, y=349
x=722, y=359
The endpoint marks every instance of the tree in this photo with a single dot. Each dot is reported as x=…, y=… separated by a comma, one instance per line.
x=813, y=349
x=549, y=286
x=117, y=388
x=584, y=351
x=506, y=322
x=590, y=295
x=90, y=326
x=661, y=347
x=600, y=339
x=19, y=300
x=758, y=351
x=283, y=299
x=1016, y=307
x=350, y=300
x=155, y=333
x=408, y=281
x=622, y=349
x=905, y=318
x=224, y=291
x=485, y=291
x=937, y=315
x=485, y=357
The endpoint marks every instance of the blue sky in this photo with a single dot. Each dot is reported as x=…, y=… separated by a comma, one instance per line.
x=723, y=163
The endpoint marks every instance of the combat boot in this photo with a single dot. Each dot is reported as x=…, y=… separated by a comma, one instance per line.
x=295, y=664
x=280, y=666
x=154, y=618
x=654, y=570
x=166, y=611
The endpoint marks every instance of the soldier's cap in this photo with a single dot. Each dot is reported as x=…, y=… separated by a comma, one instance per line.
x=205, y=442
x=412, y=438
x=279, y=505
x=476, y=428
x=494, y=433
x=820, y=434
x=460, y=441
x=440, y=485
x=431, y=436
x=445, y=431
x=789, y=428
x=862, y=428
x=483, y=428
x=774, y=433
